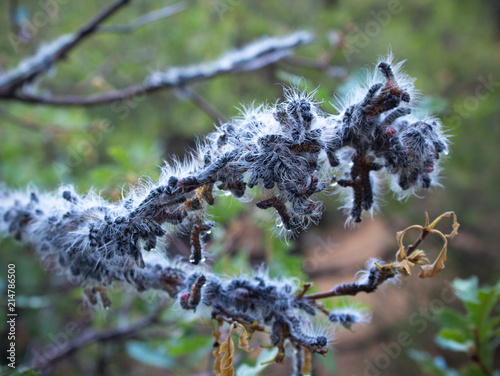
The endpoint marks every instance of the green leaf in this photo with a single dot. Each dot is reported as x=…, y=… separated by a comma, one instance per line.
x=453, y=333
x=454, y=339
x=473, y=369
x=487, y=299
x=436, y=366
x=226, y=208
x=449, y=318
x=231, y=265
x=453, y=345
x=283, y=262
x=466, y=289
x=104, y=174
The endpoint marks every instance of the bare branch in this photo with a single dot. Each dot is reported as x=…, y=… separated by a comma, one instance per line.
x=57, y=50
x=90, y=28
x=323, y=62
x=406, y=258
x=251, y=57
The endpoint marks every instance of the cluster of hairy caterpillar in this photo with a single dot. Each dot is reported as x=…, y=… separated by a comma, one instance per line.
x=384, y=137
x=260, y=302
x=84, y=237
x=91, y=241
x=347, y=317
x=290, y=150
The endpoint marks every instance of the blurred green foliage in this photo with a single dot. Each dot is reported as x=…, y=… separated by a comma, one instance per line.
x=476, y=333
x=451, y=47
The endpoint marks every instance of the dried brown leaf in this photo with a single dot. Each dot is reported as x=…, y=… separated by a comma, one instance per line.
x=405, y=263
x=226, y=362
x=429, y=271
x=307, y=366
x=243, y=340
x=454, y=227
x=404, y=267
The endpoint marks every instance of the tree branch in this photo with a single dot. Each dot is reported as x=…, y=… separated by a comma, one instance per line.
x=378, y=273
x=203, y=104
x=251, y=57
x=46, y=57
x=90, y=28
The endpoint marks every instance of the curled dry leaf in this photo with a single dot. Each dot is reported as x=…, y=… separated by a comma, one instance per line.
x=226, y=361
x=429, y=271
x=407, y=259
x=455, y=225
x=243, y=341
x=223, y=364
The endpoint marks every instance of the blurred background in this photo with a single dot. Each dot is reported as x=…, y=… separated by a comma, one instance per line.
x=452, y=48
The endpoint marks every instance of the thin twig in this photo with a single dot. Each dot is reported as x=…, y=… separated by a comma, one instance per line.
x=90, y=28
x=155, y=15
x=417, y=242
x=306, y=62
x=322, y=63
x=354, y=288
x=349, y=289
x=203, y=104
x=91, y=336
